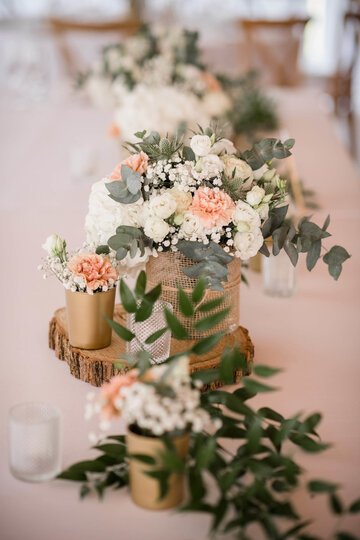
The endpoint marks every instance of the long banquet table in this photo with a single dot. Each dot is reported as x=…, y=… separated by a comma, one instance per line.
x=314, y=336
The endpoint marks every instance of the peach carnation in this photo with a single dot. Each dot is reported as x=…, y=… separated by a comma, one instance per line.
x=95, y=269
x=111, y=392
x=137, y=162
x=114, y=131
x=211, y=82
x=213, y=208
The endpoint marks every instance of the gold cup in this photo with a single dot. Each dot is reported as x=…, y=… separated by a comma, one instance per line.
x=145, y=490
x=85, y=314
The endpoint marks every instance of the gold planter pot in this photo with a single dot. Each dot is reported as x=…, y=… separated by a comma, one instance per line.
x=145, y=490
x=85, y=314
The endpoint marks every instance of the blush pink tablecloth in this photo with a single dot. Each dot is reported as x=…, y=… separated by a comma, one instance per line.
x=314, y=337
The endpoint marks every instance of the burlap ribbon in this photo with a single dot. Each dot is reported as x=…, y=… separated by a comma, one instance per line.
x=167, y=270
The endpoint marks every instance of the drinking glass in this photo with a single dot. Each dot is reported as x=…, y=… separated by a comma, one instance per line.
x=160, y=349
x=34, y=442
x=279, y=275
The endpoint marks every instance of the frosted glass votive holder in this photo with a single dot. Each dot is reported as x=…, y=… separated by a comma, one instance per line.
x=278, y=275
x=34, y=442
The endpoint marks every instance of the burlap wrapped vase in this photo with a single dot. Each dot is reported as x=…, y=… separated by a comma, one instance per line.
x=167, y=270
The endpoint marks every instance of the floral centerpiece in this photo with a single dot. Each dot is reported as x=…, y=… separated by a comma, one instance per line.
x=90, y=283
x=156, y=78
x=240, y=463
x=161, y=402
x=200, y=209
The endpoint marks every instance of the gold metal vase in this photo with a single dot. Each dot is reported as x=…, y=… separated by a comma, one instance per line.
x=144, y=490
x=87, y=326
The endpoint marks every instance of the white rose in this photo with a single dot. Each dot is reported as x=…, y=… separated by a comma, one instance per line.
x=216, y=103
x=224, y=146
x=191, y=225
x=156, y=228
x=211, y=163
x=54, y=245
x=183, y=199
x=258, y=173
x=263, y=211
x=247, y=244
x=255, y=196
x=163, y=206
x=242, y=169
x=245, y=218
x=200, y=145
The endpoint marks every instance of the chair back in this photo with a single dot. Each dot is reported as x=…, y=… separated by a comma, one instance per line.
x=273, y=48
x=63, y=28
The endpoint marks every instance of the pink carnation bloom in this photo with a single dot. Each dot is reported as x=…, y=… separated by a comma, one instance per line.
x=211, y=82
x=111, y=392
x=214, y=208
x=137, y=162
x=95, y=269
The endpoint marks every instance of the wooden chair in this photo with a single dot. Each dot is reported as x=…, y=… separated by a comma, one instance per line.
x=62, y=27
x=273, y=48
x=340, y=86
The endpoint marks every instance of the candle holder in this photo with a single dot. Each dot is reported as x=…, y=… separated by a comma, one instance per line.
x=34, y=442
x=279, y=275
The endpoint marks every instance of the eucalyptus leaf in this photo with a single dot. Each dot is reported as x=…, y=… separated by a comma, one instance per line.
x=313, y=255
x=102, y=250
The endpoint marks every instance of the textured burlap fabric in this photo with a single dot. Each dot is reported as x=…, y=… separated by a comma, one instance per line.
x=167, y=270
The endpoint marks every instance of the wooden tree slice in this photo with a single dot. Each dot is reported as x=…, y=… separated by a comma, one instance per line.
x=96, y=366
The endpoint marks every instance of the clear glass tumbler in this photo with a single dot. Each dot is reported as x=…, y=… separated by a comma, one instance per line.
x=34, y=442
x=160, y=349
x=279, y=275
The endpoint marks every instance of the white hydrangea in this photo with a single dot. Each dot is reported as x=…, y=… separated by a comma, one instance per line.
x=103, y=216
x=165, y=107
